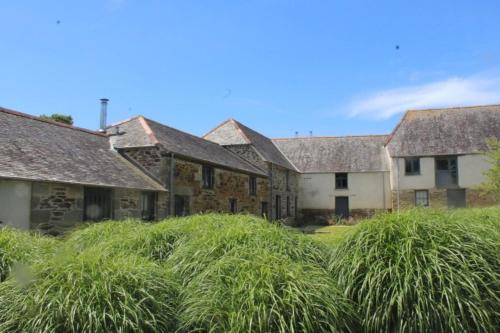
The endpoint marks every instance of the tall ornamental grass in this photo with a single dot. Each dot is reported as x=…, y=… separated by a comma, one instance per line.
x=261, y=291
x=239, y=234
x=90, y=292
x=21, y=248
x=423, y=271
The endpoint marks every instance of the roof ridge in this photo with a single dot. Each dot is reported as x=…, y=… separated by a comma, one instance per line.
x=330, y=137
x=178, y=130
x=125, y=121
x=148, y=130
x=453, y=107
x=51, y=122
x=286, y=157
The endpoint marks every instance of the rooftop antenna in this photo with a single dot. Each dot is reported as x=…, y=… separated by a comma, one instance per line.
x=310, y=133
x=296, y=134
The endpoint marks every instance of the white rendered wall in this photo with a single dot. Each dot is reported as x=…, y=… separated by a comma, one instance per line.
x=426, y=179
x=365, y=190
x=471, y=169
x=15, y=199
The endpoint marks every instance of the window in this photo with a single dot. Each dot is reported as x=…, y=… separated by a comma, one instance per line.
x=96, y=204
x=208, y=177
x=412, y=166
x=340, y=181
x=446, y=171
x=252, y=185
x=181, y=205
x=287, y=206
x=287, y=180
x=148, y=206
x=233, y=206
x=456, y=198
x=264, y=209
x=422, y=198
x=278, y=207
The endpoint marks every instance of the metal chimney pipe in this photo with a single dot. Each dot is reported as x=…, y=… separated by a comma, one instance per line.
x=104, y=114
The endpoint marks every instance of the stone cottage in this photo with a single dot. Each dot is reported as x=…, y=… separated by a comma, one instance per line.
x=201, y=176
x=263, y=153
x=54, y=175
x=339, y=176
x=436, y=156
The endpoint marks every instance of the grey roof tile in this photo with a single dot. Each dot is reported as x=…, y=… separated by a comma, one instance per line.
x=336, y=154
x=232, y=132
x=34, y=149
x=140, y=131
x=445, y=131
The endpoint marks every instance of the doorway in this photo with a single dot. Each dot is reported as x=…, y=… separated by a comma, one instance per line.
x=342, y=207
x=456, y=198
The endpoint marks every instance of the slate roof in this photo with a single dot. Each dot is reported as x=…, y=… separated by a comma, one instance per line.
x=141, y=132
x=445, y=131
x=40, y=150
x=232, y=132
x=336, y=154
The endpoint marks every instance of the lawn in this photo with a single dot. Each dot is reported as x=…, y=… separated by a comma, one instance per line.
x=418, y=271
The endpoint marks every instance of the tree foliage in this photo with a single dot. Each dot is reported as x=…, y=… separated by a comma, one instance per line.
x=60, y=118
x=492, y=183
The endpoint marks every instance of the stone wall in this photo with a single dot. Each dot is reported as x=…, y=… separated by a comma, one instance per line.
x=476, y=198
x=279, y=188
x=249, y=153
x=228, y=185
x=56, y=207
x=438, y=199
x=152, y=160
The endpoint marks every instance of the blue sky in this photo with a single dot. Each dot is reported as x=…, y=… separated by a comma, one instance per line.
x=278, y=66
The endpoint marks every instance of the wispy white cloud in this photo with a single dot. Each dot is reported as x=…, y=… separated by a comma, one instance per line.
x=455, y=91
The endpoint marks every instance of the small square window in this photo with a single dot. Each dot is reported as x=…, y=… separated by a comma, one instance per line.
x=208, y=177
x=422, y=198
x=341, y=181
x=412, y=166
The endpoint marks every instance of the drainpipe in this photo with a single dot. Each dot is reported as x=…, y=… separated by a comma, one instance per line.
x=397, y=188
x=171, y=183
x=383, y=191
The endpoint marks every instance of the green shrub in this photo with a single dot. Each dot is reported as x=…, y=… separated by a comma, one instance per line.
x=423, y=271
x=21, y=247
x=91, y=292
x=212, y=236
x=261, y=291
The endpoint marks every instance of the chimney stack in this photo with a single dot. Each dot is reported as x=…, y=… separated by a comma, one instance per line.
x=104, y=114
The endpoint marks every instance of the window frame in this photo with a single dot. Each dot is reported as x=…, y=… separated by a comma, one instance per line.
x=208, y=177
x=412, y=166
x=252, y=185
x=339, y=177
x=427, y=203
x=150, y=198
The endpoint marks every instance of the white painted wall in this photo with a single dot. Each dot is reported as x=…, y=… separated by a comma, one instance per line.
x=471, y=170
x=366, y=190
x=15, y=199
x=426, y=179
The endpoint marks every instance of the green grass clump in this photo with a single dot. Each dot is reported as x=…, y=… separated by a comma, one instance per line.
x=21, y=247
x=261, y=291
x=91, y=292
x=423, y=271
x=212, y=236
